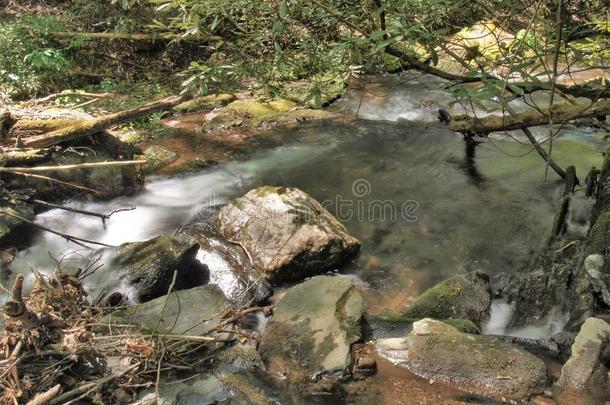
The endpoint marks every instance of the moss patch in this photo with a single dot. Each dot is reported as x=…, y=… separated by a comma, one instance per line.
x=204, y=103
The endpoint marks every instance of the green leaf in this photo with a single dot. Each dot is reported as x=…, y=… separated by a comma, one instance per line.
x=283, y=9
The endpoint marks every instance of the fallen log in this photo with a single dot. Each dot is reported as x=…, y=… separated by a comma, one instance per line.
x=561, y=114
x=54, y=96
x=24, y=157
x=87, y=127
x=592, y=89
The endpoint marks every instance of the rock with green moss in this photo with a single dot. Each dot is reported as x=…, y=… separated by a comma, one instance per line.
x=287, y=234
x=157, y=157
x=148, y=267
x=208, y=102
x=465, y=296
x=587, y=368
x=254, y=113
x=193, y=312
x=477, y=364
x=313, y=328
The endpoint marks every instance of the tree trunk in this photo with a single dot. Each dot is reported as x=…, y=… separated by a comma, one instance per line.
x=560, y=113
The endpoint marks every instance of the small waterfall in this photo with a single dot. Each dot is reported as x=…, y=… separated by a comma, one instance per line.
x=501, y=313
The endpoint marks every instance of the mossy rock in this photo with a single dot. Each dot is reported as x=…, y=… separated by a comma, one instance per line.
x=466, y=296
x=463, y=325
x=208, y=102
x=157, y=157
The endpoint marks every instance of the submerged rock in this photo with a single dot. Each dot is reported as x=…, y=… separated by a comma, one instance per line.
x=148, y=267
x=480, y=365
x=313, y=328
x=466, y=296
x=193, y=312
x=287, y=234
x=587, y=368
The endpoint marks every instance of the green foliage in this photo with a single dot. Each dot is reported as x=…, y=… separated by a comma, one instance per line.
x=203, y=78
x=28, y=65
x=47, y=59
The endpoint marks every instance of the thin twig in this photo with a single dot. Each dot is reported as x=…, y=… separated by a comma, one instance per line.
x=69, y=238
x=42, y=169
x=52, y=180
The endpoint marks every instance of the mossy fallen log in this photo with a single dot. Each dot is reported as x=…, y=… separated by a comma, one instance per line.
x=25, y=126
x=87, y=127
x=561, y=114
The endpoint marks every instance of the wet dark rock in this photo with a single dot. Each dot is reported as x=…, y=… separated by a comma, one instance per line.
x=148, y=267
x=229, y=267
x=312, y=330
x=466, y=296
x=287, y=234
x=588, y=367
x=477, y=364
x=11, y=228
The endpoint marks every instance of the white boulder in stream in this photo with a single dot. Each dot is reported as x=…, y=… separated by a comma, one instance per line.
x=313, y=328
x=287, y=234
x=480, y=365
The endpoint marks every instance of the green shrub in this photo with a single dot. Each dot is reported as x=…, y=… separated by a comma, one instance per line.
x=29, y=65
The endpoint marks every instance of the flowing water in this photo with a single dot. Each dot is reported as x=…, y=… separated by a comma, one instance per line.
x=425, y=204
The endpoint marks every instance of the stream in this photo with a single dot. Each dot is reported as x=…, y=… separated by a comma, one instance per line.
x=424, y=203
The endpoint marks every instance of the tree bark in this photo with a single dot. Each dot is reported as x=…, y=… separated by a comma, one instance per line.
x=560, y=113
x=98, y=124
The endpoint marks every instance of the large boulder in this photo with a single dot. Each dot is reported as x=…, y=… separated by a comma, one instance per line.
x=480, y=365
x=287, y=234
x=193, y=312
x=587, y=368
x=313, y=328
x=465, y=296
x=147, y=268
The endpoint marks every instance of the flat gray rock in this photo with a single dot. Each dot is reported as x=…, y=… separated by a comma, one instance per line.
x=480, y=365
